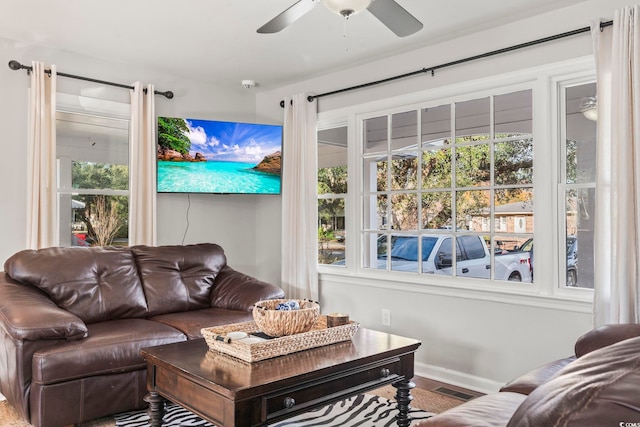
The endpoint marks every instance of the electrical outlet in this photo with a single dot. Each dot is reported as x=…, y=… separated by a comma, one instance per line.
x=386, y=317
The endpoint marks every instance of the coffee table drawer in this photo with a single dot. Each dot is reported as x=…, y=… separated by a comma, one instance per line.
x=321, y=391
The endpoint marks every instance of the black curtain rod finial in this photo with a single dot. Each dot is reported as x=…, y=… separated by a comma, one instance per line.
x=168, y=94
x=15, y=65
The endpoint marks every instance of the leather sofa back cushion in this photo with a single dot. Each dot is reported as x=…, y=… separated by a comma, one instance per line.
x=95, y=284
x=178, y=278
x=598, y=389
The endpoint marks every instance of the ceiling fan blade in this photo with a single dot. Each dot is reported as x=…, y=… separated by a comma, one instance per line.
x=291, y=14
x=395, y=17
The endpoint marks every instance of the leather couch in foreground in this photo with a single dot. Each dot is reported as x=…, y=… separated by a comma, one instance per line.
x=598, y=387
x=73, y=321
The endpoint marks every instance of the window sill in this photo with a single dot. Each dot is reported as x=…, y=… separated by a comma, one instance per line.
x=580, y=301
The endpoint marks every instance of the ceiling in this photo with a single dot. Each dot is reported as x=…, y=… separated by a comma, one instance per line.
x=216, y=40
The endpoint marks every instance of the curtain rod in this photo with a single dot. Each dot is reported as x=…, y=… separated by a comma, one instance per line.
x=603, y=24
x=15, y=65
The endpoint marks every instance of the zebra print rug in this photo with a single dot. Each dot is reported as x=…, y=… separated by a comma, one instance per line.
x=363, y=410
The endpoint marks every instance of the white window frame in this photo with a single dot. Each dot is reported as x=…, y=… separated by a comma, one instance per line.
x=543, y=292
x=92, y=107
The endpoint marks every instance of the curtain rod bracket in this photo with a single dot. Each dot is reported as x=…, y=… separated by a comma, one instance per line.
x=15, y=65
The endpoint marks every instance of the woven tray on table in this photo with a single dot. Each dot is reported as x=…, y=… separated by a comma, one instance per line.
x=319, y=335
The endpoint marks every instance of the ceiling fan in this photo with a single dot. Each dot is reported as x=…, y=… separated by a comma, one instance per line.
x=390, y=13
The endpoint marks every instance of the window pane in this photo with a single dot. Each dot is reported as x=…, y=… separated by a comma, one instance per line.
x=515, y=205
x=404, y=130
x=514, y=162
x=375, y=134
x=95, y=220
x=473, y=166
x=443, y=259
x=404, y=253
x=513, y=114
x=436, y=168
x=436, y=126
x=92, y=139
x=471, y=208
x=375, y=174
x=511, y=243
x=331, y=235
x=436, y=210
x=404, y=211
x=404, y=171
x=332, y=162
x=375, y=251
x=580, y=205
x=375, y=212
x=576, y=248
x=99, y=176
x=580, y=135
x=473, y=119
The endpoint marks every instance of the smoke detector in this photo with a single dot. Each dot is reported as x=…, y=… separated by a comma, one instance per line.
x=248, y=84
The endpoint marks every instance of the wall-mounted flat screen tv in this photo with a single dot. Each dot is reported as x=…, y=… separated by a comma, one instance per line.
x=207, y=156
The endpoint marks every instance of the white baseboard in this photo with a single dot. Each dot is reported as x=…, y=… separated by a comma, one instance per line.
x=459, y=379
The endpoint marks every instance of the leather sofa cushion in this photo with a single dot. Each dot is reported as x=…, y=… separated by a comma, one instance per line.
x=191, y=322
x=598, y=389
x=111, y=347
x=528, y=382
x=95, y=284
x=178, y=278
x=491, y=410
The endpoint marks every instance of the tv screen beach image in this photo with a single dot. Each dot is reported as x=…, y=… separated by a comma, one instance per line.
x=206, y=156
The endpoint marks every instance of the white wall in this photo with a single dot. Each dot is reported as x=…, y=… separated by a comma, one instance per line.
x=231, y=221
x=475, y=340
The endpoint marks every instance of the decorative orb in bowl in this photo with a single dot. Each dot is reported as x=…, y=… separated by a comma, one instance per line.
x=278, y=323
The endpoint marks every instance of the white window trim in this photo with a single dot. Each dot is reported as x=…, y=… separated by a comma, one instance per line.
x=544, y=292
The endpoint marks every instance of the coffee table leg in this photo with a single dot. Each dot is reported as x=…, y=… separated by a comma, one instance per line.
x=403, y=399
x=156, y=408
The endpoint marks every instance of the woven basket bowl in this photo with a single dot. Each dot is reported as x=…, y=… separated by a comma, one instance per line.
x=278, y=323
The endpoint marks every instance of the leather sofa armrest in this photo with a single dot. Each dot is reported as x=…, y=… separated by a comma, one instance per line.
x=604, y=336
x=27, y=314
x=234, y=290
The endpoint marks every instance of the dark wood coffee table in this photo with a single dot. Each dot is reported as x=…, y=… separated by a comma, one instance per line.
x=229, y=392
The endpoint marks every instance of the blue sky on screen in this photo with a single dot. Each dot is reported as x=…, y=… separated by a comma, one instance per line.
x=233, y=142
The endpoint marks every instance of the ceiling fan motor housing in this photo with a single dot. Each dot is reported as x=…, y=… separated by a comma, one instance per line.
x=346, y=8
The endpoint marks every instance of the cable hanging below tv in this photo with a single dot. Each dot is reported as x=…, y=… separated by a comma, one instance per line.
x=217, y=157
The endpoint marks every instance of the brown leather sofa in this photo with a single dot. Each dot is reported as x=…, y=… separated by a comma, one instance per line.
x=598, y=387
x=73, y=321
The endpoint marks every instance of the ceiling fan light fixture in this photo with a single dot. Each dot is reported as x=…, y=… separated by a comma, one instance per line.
x=346, y=8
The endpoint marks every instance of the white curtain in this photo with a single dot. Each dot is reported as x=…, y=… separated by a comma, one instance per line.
x=299, y=208
x=617, y=226
x=142, y=167
x=42, y=206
